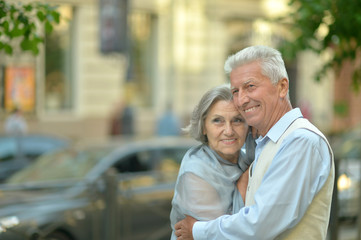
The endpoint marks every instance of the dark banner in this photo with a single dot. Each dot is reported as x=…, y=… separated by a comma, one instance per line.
x=113, y=25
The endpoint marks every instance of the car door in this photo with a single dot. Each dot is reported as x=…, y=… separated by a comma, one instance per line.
x=145, y=190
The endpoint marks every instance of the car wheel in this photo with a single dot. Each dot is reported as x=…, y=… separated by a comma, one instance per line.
x=58, y=236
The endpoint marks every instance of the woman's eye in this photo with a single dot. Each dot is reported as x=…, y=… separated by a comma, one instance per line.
x=217, y=120
x=238, y=120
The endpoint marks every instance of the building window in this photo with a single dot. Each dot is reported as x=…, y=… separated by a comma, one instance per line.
x=143, y=56
x=58, y=87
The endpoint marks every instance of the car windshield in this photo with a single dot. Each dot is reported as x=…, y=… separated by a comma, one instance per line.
x=62, y=165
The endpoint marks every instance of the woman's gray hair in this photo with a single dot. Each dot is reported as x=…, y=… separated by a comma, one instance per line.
x=271, y=61
x=200, y=112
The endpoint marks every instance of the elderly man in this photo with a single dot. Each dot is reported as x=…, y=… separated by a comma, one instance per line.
x=291, y=180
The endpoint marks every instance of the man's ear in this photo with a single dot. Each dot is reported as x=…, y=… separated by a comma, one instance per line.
x=283, y=87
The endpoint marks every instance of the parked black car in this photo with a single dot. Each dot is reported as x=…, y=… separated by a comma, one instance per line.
x=17, y=152
x=121, y=190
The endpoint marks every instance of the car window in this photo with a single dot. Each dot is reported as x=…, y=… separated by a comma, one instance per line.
x=168, y=159
x=6, y=158
x=12, y=157
x=131, y=163
x=156, y=172
x=60, y=165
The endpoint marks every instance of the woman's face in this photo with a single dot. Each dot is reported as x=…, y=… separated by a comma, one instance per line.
x=226, y=130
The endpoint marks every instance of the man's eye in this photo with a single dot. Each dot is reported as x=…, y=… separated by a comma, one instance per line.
x=234, y=91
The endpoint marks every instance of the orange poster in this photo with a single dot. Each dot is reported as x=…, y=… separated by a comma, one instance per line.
x=19, y=88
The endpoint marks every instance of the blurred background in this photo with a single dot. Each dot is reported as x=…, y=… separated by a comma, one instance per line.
x=116, y=67
x=148, y=55
x=165, y=53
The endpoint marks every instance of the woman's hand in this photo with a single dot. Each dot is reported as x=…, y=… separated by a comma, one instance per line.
x=183, y=229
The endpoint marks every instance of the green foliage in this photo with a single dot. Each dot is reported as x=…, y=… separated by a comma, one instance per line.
x=340, y=108
x=326, y=25
x=21, y=21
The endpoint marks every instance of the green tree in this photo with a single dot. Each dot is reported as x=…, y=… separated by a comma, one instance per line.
x=20, y=25
x=326, y=25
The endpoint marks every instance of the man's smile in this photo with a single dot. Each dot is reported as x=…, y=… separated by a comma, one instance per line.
x=251, y=109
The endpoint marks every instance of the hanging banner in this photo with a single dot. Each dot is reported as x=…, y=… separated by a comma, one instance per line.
x=113, y=25
x=19, y=88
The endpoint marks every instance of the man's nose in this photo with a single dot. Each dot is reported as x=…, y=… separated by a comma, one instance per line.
x=241, y=99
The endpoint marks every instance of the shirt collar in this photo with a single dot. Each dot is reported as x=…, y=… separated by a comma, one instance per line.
x=281, y=126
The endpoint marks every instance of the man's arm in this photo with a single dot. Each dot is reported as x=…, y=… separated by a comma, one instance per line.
x=298, y=171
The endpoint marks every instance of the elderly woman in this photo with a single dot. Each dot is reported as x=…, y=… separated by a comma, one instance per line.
x=207, y=181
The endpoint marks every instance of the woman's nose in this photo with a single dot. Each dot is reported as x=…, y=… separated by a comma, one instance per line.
x=228, y=129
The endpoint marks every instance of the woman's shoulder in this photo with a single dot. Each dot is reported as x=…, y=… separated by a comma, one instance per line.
x=196, y=156
x=201, y=151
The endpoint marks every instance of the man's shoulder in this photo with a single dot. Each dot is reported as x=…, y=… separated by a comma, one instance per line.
x=304, y=137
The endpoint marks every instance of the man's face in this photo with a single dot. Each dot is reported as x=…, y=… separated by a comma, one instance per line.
x=259, y=101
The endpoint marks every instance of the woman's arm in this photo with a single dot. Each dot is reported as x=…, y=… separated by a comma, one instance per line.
x=242, y=184
x=199, y=198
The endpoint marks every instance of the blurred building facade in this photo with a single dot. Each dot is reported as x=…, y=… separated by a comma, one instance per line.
x=176, y=51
